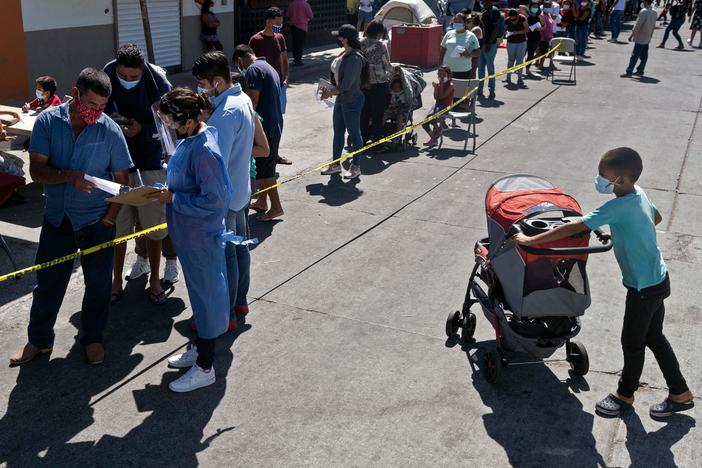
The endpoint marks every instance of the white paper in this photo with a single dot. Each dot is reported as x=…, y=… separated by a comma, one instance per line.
x=535, y=26
x=457, y=51
x=326, y=103
x=509, y=33
x=113, y=188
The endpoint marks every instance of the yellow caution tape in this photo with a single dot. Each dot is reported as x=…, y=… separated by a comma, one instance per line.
x=159, y=227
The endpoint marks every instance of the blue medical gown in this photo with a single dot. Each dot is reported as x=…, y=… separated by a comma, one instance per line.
x=197, y=176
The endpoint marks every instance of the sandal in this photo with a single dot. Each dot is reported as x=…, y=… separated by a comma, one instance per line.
x=157, y=299
x=668, y=407
x=611, y=406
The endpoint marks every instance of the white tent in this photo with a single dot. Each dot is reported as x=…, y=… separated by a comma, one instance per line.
x=405, y=12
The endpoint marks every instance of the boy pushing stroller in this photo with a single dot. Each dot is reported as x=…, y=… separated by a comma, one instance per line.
x=632, y=219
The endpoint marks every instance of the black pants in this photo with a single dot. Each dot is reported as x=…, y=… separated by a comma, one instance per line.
x=532, y=47
x=674, y=26
x=643, y=327
x=205, y=352
x=298, y=42
x=372, y=115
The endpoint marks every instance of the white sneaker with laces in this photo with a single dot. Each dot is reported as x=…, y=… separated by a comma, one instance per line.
x=171, y=273
x=333, y=169
x=185, y=360
x=192, y=380
x=139, y=268
x=353, y=172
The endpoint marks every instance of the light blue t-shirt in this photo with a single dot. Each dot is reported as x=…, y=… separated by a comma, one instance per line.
x=233, y=117
x=451, y=40
x=631, y=221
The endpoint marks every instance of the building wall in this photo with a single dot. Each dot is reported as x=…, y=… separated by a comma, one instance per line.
x=58, y=42
x=13, y=61
x=192, y=45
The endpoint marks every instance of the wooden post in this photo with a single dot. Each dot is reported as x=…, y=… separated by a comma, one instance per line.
x=147, y=31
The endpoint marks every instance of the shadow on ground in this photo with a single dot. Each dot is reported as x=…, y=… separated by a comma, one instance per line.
x=42, y=419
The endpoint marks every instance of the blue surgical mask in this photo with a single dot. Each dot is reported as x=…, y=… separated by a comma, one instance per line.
x=458, y=26
x=128, y=84
x=602, y=185
x=201, y=90
x=277, y=28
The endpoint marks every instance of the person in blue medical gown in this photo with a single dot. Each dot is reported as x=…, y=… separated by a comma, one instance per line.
x=197, y=197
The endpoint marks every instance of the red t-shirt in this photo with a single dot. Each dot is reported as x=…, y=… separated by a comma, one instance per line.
x=269, y=47
x=448, y=100
x=55, y=101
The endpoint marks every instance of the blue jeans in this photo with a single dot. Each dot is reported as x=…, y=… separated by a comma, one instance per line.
x=515, y=56
x=238, y=260
x=597, y=18
x=615, y=23
x=283, y=97
x=487, y=60
x=347, y=118
x=581, y=32
x=48, y=294
x=640, y=52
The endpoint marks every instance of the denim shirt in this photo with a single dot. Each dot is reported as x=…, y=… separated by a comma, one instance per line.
x=233, y=117
x=98, y=151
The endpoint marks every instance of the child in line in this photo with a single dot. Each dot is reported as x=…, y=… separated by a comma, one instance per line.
x=443, y=94
x=45, y=95
x=632, y=219
x=398, y=108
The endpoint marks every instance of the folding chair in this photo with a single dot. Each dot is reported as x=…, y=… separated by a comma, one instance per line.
x=463, y=87
x=567, y=46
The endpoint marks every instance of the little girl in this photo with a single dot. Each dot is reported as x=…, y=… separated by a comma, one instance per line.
x=443, y=94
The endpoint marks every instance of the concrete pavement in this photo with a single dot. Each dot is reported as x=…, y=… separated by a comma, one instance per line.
x=343, y=361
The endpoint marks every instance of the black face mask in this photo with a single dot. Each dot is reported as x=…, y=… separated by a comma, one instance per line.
x=340, y=42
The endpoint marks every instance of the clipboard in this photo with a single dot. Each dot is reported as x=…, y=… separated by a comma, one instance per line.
x=135, y=197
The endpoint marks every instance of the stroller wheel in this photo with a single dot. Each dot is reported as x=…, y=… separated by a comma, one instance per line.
x=493, y=366
x=468, y=326
x=576, y=355
x=452, y=323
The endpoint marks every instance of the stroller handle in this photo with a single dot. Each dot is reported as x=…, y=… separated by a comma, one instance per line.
x=605, y=239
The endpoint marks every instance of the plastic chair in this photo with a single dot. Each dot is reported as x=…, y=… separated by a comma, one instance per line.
x=465, y=111
x=567, y=46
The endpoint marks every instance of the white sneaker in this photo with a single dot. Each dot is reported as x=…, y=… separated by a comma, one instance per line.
x=353, y=172
x=192, y=380
x=139, y=268
x=333, y=169
x=185, y=360
x=171, y=274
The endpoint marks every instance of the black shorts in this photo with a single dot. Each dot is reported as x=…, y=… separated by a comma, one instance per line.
x=265, y=167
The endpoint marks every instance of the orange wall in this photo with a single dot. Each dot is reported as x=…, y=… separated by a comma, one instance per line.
x=13, y=54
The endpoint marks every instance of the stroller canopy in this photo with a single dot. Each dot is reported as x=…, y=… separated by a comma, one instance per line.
x=405, y=12
x=513, y=197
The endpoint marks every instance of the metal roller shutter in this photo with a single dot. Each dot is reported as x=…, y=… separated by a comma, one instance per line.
x=164, y=17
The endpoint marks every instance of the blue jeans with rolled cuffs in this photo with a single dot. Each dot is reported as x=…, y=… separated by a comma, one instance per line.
x=347, y=118
x=487, y=60
x=238, y=260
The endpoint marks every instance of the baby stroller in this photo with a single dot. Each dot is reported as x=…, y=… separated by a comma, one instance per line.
x=413, y=84
x=532, y=296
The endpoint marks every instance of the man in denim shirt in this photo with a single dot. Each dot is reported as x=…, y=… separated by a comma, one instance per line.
x=234, y=118
x=67, y=143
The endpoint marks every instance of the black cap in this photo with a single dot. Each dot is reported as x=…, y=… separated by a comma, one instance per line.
x=346, y=31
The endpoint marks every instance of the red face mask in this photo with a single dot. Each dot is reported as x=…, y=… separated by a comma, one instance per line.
x=89, y=116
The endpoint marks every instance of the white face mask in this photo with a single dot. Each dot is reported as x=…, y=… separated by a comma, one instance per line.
x=444, y=79
x=39, y=94
x=566, y=7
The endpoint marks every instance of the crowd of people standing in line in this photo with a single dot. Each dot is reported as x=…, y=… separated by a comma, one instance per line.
x=228, y=133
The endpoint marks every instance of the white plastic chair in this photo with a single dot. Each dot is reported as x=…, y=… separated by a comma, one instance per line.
x=465, y=111
x=567, y=46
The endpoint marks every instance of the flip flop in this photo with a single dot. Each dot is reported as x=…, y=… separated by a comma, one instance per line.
x=667, y=407
x=157, y=299
x=611, y=406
